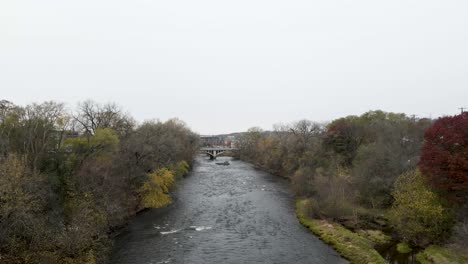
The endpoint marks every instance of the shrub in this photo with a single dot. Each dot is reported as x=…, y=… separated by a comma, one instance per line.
x=302, y=181
x=437, y=254
x=180, y=169
x=333, y=194
x=404, y=248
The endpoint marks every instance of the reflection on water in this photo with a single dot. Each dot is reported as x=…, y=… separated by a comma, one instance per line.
x=223, y=214
x=392, y=255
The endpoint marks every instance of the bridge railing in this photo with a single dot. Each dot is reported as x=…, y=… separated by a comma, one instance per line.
x=217, y=148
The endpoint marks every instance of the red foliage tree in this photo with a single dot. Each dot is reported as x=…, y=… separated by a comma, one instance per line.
x=444, y=155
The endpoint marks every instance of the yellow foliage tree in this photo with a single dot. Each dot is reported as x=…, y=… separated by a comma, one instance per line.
x=154, y=192
x=417, y=214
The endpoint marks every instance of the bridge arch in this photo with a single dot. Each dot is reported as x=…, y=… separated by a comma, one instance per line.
x=215, y=152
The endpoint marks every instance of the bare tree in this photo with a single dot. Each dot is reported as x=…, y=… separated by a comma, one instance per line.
x=92, y=116
x=40, y=123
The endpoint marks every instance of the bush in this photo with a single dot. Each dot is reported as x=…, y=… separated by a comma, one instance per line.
x=333, y=194
x=459, y=238
x=180, y=169
x=417, y=214
x=302, y=181
x=437, y=254
x=404, y=248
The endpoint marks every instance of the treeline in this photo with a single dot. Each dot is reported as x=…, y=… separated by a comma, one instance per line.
x=375, y=171
x=67, y=180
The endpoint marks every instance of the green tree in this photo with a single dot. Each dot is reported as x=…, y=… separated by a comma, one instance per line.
x=418, y=215
x=103, y=143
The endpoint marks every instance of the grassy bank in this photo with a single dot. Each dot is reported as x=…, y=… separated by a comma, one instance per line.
x=437, y=254
x=350, y=245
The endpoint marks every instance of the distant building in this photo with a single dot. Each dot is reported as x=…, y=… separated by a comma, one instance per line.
x=211, y=141
x=231, y=141
x=218, y=141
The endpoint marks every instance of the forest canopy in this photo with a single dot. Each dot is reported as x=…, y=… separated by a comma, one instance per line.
x=71, y=178
x=374, y=170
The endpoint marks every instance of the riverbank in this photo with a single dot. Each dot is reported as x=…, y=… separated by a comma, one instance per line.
x=360, y=247
x=437, y=254
x=350, y=245
x=357, y=248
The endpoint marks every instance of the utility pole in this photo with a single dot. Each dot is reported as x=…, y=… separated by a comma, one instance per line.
x=462, y=109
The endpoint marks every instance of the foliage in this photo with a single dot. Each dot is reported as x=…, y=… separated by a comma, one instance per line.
x=157, y=144
x=32, y=131
x=154, y=192
x=21, y=206
x=378, y=237
x=180, y=169
x=302, y=180
x=417, y=214
x=344, y=137
x=104, y=142
x=349, y=168
x=333, y=194
x=70, y=179
x=404, y=248
x=437, y=254
x=375, y=169
x=352, y=162
x=444, y=154
x=249, y=142
x=352, y=246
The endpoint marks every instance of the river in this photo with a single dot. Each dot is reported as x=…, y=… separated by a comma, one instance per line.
x=223, y=214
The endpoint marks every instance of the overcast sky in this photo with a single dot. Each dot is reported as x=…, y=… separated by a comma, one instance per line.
x=225, y=66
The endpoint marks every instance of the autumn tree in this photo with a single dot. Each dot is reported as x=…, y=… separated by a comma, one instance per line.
x=23, y=200
x=417, y=214
x=344, y=136
x=155, y=191
x=444, y=154
x=248, y=143
x=71, y=179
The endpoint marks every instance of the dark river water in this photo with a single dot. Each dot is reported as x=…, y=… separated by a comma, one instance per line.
x=223, y=214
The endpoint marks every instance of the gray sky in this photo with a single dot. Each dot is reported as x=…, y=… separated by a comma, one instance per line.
x=225, y=66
